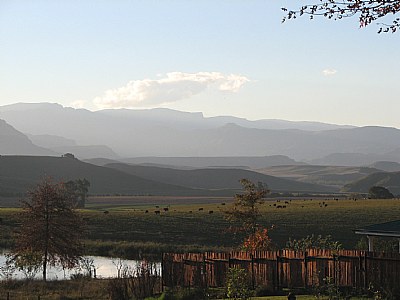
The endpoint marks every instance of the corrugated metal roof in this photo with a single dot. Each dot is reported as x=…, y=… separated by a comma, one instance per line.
x=384, y=229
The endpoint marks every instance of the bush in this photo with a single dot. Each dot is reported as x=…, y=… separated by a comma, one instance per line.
x=237, y=284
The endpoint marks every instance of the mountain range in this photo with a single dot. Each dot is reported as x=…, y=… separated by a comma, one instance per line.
x=124, y=133
x=161, y=151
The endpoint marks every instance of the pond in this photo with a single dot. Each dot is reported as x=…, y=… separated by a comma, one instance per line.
x=99, y=266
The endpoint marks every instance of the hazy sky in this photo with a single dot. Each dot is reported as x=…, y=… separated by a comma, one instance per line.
x=220, y=57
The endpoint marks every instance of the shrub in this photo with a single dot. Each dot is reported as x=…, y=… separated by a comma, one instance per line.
x=237, y=284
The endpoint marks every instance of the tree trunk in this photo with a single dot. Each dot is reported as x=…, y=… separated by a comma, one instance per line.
x=45, y=266
x=46, y=247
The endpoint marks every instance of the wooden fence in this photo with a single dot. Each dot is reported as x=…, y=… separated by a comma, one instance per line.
x=284, y=268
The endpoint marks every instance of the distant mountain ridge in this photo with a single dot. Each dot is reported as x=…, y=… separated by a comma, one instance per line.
x=14, y=142
x=168, y=133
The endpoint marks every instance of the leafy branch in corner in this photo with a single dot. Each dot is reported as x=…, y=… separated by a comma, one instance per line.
x=368, y=11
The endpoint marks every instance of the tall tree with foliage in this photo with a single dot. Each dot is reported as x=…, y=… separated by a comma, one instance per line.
x=78, y=189
x=50, y=229
x=245, y=214
x=367, y=11
x=379, y=192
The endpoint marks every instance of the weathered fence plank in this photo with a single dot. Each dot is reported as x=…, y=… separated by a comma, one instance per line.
x=284, y=268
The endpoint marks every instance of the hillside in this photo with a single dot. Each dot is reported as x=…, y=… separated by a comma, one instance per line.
x=336, y=176
x=20, y=173
x=390, y=180
x=216, y=179
x=14, y=142
x=242, y=162
x=387, y=166
x=84, y=152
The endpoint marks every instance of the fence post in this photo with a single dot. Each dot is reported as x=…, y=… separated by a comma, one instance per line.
x=252, y=271
x=305, y=270
x=334, y=268
x=8, y=295
x=162, y=272
x=204, y=271
x=365, y=270
x=277, y=269
x=359, y=277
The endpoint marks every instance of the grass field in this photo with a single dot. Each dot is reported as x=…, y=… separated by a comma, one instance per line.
x=121, y=226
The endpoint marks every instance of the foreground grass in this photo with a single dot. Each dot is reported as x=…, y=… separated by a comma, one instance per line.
x=91, y=289
x=55, y=290
x=120, y=227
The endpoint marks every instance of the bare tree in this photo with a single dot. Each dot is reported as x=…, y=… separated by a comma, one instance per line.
x=367, y=11
x=50, y=229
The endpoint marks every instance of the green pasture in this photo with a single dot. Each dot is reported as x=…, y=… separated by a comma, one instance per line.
x=121, y=226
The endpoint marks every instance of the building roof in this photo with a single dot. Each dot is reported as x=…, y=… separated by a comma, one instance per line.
x=389, y=229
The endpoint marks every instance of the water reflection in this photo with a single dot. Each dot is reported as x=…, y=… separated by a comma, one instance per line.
x=102, y=267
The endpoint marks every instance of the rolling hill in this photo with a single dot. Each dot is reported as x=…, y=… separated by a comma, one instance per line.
x=389, y=180
x=336, y=176
x=242, y=162
x=20, y=173
x=217, y=179
x=387, y=166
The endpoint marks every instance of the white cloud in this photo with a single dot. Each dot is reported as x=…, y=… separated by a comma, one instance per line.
x=329, y=72
x=172, y=87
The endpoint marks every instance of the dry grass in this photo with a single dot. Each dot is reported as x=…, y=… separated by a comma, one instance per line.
x=126, y=228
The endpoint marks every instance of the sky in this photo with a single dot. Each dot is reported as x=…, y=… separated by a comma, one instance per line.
x=219, y=57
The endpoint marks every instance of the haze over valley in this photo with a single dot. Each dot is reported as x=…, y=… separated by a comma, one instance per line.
x=163, y=151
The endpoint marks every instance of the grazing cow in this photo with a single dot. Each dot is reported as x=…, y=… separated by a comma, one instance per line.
x=211, y=212
x=200, y=209
x=165, y=209
x=106, y=212
x=223, y=203
x=190, y=211
x=146, y=212
x=157, y=212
